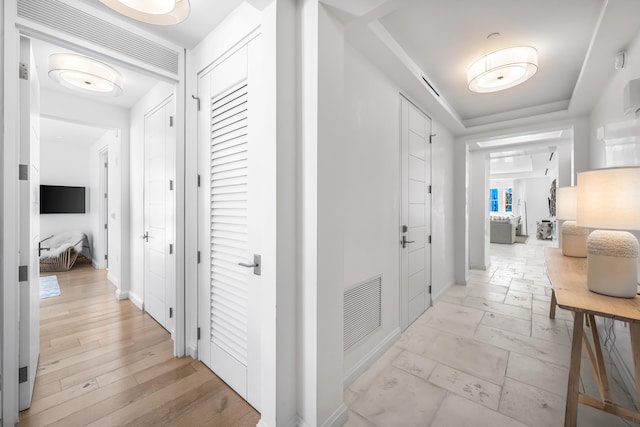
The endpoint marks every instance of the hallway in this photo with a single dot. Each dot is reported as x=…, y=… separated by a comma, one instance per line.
x=103, y=362
x=485, y=355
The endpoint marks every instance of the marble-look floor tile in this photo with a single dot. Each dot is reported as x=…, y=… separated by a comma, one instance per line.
x=471, y=356
x=355, y=420
x=519, y=299
x=523, y=286
x=545, y=375
x=542, y=308
x=500, y=281
x=592, y=417
x=417, y=339
x=414, y=364
x=397, y=398
x=467, y=386
x=459, y=412
x=554, y=330
x=364, y=381
x=496, y=307
x=532, y=405
x=528, y=346
x=455, y=318
x=508, y=323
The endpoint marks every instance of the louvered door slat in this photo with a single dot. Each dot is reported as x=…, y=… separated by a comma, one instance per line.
x=229, y=226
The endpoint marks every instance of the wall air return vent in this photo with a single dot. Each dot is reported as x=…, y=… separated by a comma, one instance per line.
x=362, y=311
x=69, y=20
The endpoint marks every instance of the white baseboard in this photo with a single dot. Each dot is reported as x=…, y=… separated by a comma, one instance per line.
x=436, y=297
x=192, y=351
x=136, y=300
x=478, y=267
x=113, y=279
x=338, y=418
x=358, y=368
x=121, y=295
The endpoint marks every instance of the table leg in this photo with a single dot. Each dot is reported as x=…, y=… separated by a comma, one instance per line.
x=634, y=331
x=600, y=369
x=552, y=306
x=571, y=410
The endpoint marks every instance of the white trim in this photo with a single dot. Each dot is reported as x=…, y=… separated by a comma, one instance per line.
x=338, y=418
x=121, y=295
x=114, y=280
x=368, y=359
x=136, y=300
x=477, y=267
x=192, y=351
x=436, y=297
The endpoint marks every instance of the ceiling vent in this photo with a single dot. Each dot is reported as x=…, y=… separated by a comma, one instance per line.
x=61, y=17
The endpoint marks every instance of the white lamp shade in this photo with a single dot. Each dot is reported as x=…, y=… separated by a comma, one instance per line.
x=609, y=199
x=85, y=74
x=566, y=203
x=157, y=12
x=502, y=69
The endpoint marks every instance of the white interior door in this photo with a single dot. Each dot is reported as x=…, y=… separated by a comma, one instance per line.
x=229, y=222
x=29, y=223
x=415, y=212
x=159, y=259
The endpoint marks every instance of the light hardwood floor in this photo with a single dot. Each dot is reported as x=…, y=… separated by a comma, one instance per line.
x=103, y=362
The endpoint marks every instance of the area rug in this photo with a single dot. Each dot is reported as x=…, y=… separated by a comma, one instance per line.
x=49, y=287
x=522, y=239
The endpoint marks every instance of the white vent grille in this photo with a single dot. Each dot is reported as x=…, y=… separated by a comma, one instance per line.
x=362, y=311
x=229, y=222
x=67, y=19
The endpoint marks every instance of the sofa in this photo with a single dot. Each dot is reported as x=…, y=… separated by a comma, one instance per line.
x=503, y=228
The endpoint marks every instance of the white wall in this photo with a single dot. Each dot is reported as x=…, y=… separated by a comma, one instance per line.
x=69, y=164
x=67, y=107
x=153, y=98
x=609, y=108
x=371, y=205
x=536, y=192
x=479, y=256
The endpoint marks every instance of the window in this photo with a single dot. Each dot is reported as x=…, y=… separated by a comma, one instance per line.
x=494, y=199
x=508, y=200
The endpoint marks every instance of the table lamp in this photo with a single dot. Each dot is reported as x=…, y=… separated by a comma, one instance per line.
x=574, y=238
x=609, y=199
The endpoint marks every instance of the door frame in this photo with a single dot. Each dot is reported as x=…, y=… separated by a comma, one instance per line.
x=402, y=289
x=102, y=261
x=9, y=296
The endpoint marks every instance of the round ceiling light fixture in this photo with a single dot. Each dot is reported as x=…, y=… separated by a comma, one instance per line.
x=85, y=74
x=502, y=69
x=157, y=12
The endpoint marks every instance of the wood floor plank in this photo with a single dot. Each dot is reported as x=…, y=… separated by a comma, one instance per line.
x=104, y=362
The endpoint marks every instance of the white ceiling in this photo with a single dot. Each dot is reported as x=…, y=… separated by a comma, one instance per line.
x=54, y=130
x=577, y=41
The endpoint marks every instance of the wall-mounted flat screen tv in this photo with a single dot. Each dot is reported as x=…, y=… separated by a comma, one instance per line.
x=59, y=199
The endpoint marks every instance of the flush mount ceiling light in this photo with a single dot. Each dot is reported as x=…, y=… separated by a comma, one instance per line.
x=157, y=12
x=502, y=69
x=84, y=74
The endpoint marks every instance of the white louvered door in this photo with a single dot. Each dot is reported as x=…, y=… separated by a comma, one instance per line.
x=227, y=317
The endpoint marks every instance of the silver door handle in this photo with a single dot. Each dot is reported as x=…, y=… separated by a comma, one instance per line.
x=145, y=236
x=405, y=241
x=257, y=267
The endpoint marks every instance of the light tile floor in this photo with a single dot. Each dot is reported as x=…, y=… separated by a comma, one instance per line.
x=486, y=354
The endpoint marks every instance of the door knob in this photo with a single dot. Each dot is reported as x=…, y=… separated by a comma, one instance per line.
x=145, y=236
x=257, y=265
x=405, y=241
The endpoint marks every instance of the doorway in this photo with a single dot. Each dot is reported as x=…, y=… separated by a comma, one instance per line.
x=415, y=255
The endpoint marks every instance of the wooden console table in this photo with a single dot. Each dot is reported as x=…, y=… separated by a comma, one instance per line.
x=568, y=278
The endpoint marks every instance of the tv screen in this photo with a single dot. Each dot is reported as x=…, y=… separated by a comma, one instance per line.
x=58, y=199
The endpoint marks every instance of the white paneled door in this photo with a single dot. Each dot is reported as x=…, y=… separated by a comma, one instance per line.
x=229, y=221
x=29, y=347
x=159, y=259
x=415, y=230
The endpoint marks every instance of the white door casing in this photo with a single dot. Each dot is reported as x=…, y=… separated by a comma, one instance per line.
x=29, y=323
x=415, y=267
x=103, y=224
x=159, y=216
x=229, y=222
